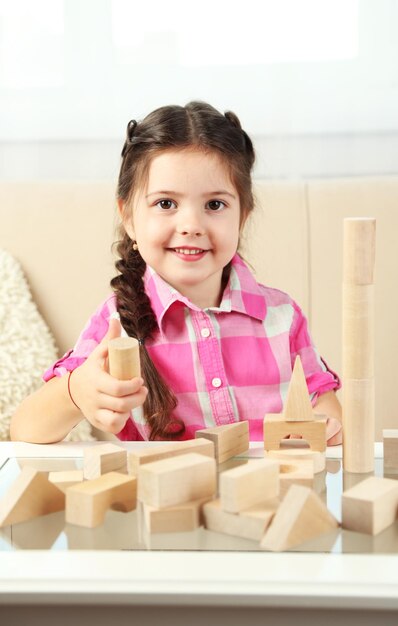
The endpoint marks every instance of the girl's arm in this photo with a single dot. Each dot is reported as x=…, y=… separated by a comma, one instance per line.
x=328, y=404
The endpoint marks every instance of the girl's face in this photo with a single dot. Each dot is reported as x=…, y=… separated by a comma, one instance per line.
x=186, y=222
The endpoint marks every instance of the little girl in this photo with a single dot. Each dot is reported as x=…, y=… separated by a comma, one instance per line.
x=216, y=347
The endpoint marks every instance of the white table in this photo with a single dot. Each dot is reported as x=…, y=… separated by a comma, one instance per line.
x=39, y=586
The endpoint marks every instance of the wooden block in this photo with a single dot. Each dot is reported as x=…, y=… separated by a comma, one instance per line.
x=136, y=458
x=301, y=516
x=298, y=407
x=276, y=428
x=87, y=502
x=248, y=524
x=370, y=506
x=300, y=454
x=358, y=425
x=104, y=458
x=65, y=479
x=358, y=332
x=295, y=473
x=124, y=358
x=174, y=519
x=249, y=484
x=229, y=439
x=30, y=495
x=359, y=250
x=177, y=480
x=390, y=448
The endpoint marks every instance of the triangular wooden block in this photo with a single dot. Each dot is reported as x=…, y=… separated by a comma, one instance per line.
x=301, y=516
x=29, y=496
x=298, y=406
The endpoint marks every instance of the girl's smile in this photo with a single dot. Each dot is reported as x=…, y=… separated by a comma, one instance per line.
x=186, y=222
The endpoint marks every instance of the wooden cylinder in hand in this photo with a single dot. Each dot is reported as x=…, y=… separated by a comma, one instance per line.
x=124, y=358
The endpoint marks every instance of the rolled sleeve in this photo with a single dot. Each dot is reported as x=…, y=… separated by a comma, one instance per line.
x=92, y=334
x=319, y=376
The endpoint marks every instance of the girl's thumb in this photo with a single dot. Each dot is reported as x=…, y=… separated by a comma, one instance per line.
x=114, y=331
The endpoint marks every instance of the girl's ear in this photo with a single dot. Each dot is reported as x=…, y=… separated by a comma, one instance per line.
x=125, y=216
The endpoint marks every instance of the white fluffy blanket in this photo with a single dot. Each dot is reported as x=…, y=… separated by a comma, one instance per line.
x=27, y=347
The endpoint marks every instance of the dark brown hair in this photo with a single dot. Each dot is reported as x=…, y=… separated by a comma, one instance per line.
x=200, y=126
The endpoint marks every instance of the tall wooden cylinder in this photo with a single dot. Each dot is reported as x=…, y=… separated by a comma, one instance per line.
x=358, y=344
x=124, y=358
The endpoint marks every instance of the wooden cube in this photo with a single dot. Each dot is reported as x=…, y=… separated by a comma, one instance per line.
x=370, y=506
x=249, y=484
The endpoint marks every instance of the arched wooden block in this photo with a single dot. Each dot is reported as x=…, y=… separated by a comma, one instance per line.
x=277, y=428
x=87, y=503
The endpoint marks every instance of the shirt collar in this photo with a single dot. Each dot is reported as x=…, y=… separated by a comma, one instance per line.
x=242, y=293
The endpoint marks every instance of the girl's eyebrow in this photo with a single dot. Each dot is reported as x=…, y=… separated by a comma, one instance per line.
x=221, y=192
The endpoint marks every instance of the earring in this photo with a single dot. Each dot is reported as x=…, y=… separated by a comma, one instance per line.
x=135, y=246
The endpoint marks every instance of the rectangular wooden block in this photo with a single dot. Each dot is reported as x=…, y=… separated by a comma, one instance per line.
x=248, y=524
x=177, y=480
x=276, y=428
x=87, y=502
x=136, y=458
x=390, y=450
x=104, y=458
x=370, y=506
x=249, y=484
x=174, y=519
x=229, y=439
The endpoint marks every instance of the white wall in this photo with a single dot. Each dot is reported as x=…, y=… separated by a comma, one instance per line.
x=315, y=82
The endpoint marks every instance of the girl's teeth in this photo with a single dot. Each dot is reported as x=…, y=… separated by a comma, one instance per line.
x=185, y=251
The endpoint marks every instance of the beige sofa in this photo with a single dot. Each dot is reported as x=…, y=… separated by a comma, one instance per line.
x=62, y=234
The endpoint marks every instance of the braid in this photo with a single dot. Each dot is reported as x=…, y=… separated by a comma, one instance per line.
x=139, y=321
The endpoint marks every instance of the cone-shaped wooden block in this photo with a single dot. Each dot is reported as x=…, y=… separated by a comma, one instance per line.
x=29, y=496
x=301, y=516
x=298, y=406
x=124, y=358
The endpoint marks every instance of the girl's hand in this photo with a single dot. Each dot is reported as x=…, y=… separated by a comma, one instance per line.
x=334, y=432
x=105, y=401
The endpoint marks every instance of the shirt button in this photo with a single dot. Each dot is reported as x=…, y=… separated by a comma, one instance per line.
x=216, y=382
x=205, y=332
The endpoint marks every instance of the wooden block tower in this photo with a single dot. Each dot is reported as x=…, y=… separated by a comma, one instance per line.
x=297, y=417
x=358, y=345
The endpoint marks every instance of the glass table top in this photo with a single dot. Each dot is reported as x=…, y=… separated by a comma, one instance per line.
x=126, y=531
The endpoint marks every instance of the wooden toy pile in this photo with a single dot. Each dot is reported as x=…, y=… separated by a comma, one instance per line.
x=273, y=501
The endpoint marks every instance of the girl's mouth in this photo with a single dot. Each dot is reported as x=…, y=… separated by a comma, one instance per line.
x=189, y=254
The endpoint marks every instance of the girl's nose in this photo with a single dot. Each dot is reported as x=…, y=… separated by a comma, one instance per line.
x=190, y=223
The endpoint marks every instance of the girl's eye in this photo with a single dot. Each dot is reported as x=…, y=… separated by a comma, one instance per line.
x=165, y=204
x=215, y=205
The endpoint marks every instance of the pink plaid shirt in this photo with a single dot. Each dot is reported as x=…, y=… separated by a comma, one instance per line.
x=224, y=364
